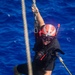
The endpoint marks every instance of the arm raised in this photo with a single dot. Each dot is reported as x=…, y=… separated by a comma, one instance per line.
x=38, y=16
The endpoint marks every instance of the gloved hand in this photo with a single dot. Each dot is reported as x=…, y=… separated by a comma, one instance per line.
x=34, y=9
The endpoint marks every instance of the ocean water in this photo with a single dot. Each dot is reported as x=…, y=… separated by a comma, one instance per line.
x=12, y=44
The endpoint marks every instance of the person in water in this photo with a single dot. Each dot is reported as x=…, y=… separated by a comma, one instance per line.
x=46, y=47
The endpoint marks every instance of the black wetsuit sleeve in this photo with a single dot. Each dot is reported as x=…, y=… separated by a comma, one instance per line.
x=57, y=46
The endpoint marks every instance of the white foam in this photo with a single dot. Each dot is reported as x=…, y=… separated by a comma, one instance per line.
x=8, y=15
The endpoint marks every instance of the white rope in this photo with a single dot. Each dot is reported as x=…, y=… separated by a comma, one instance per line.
x=61, y=60
x=26, y=38
x=34, y=2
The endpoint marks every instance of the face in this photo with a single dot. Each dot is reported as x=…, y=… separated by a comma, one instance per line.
x=45, y=42
x=46, y=39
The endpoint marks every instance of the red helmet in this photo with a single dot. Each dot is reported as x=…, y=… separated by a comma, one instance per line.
x=48, y=30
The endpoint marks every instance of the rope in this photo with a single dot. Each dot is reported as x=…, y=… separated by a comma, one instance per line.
x=26, y=38
x=34, y=2
x=61, y=60
x=36, y=25
x=66, y=68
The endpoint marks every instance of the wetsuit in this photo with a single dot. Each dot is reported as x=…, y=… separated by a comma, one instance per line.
x=47, y=63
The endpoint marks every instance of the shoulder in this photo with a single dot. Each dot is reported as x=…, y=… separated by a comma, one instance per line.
x=56, y=44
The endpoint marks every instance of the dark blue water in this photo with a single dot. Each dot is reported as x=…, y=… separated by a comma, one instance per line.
x=12, y=45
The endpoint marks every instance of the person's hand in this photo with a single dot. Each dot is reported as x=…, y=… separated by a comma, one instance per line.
x=34, y=9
